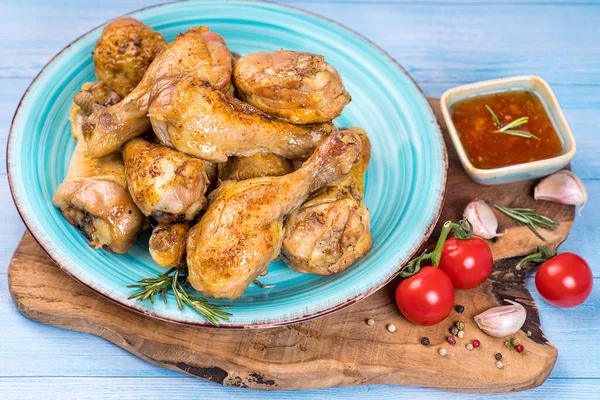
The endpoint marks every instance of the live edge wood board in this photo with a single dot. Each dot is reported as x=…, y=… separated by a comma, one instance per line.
x=336, y=350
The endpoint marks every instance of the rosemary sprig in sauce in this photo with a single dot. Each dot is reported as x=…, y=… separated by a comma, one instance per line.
x=529, y=218
x=509, y=128
x=175, y=279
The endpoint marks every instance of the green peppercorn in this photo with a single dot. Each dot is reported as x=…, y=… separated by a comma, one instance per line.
x=498, y=356
x=425, y=341
x=460, y=325
x=459, y=309
x=454, y=331
x=515, y=342
x=508, y=345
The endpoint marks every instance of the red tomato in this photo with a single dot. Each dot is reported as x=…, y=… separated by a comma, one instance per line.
x=565, y=280
x=466, y=262
x=426, y=298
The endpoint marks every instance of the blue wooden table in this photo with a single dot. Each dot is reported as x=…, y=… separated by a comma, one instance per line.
x=442, y=44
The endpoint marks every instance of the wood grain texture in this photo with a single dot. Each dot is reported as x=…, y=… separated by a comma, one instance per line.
x=336, y=350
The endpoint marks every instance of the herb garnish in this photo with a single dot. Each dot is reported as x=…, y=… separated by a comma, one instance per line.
x=149, y=287
x=509, y=128
x=529, y=218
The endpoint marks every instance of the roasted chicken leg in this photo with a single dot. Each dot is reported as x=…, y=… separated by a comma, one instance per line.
x=242, y=229
x=123, y=53
x=195, y=118
x=167, y=244
x=297, y=87
x=331, y=230
x=94, y=196
x=197, y=52
x=255, y=166
x=164, y=183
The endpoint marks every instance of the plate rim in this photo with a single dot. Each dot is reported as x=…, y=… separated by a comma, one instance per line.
x=48, y=247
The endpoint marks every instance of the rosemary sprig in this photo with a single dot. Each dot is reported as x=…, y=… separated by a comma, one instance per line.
x=529, y=218
x=159, y=285
x=263, y=285
x=508, y=128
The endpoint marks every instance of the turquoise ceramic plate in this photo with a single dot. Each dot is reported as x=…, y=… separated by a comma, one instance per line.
x=404, y=186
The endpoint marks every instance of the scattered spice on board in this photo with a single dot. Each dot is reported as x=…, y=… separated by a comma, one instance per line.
x=442, y=352
x=425, y=341
x=451, y=340
x=454, y=331
x=498, y=356
x=469, y=346
x=460, y=325
x=476, y=343
x=520, y=348
x=370, y=322
x=460, y=334
x=459, y=308
x=391, y=328
x=499, y=364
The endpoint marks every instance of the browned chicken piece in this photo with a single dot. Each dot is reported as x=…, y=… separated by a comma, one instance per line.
x=297, y=87
x=332, y=229
x=164, y=183
x=167, y=244
x=195, y=118
x=255, y=166
x=94, y=196
x=197, y=52
x=242, y=229
x=95, y=96
x=124, y=52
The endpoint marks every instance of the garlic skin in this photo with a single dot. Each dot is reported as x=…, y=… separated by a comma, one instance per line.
x=502, y=321
x=482, y=218
x=562, y=187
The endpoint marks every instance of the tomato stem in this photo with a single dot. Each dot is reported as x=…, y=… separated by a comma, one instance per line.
x=462, y=230
x=543, y=254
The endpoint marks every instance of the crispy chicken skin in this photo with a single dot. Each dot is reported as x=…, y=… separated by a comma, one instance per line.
x=242, y=229
x=164, y=183
x=195, y=118
x=167, y=244
x=197, y=52
x=255, y=166
x=297, y=87
x=124, y=52
x=94, y=196
x=332, y=229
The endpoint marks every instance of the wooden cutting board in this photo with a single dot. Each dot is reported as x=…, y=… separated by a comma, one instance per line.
x=336, y=350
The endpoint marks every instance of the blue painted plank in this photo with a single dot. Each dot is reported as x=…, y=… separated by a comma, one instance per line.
x=171, y=388
x=435, y=42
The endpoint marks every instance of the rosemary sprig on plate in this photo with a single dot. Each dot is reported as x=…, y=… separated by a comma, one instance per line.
x=510, y=128
x=529, y=218
x=174, y=279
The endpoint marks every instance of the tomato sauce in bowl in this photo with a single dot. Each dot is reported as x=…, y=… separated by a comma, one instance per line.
x=487, y=147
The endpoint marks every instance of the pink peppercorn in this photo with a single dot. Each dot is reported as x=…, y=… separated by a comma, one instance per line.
x=476, y=343
x=520, y=348
x=451, y=340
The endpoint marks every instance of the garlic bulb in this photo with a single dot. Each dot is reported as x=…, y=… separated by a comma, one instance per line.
x=562, y=187
x=502, y=321
x=482, y=219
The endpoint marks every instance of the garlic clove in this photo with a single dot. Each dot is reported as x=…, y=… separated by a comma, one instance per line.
x=502, y=321
x=482, y=218
x=562, y=187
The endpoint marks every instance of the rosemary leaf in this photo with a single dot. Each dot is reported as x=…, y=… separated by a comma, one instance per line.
x=159, y=285
x=514, y=124
x=529, y=218
x=262, y=285
x=494, y=116
x=516, y=132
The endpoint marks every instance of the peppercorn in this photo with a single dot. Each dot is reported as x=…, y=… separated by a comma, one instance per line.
x=370, y=322
x=460, y=334
x=520, y=348
x=442, y=352
x=454, y=331
x=391, y=328
x=451, y=340
x=460, y=325
x=425, y=341
x=515, y=342
x=499, y=364
x=498, y=356
x=469, y=346
x=476, y=343
x=459, y=309
x=508, y=345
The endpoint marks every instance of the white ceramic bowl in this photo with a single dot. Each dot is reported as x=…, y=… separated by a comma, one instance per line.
x=519, y=172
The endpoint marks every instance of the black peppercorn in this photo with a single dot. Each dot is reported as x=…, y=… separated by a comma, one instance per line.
x=498, y=356
x=425, y=341
x=459, y=308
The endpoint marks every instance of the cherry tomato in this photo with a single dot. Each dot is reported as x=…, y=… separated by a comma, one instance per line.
x=466, y=262
x=426, y=298
x=565, y=280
